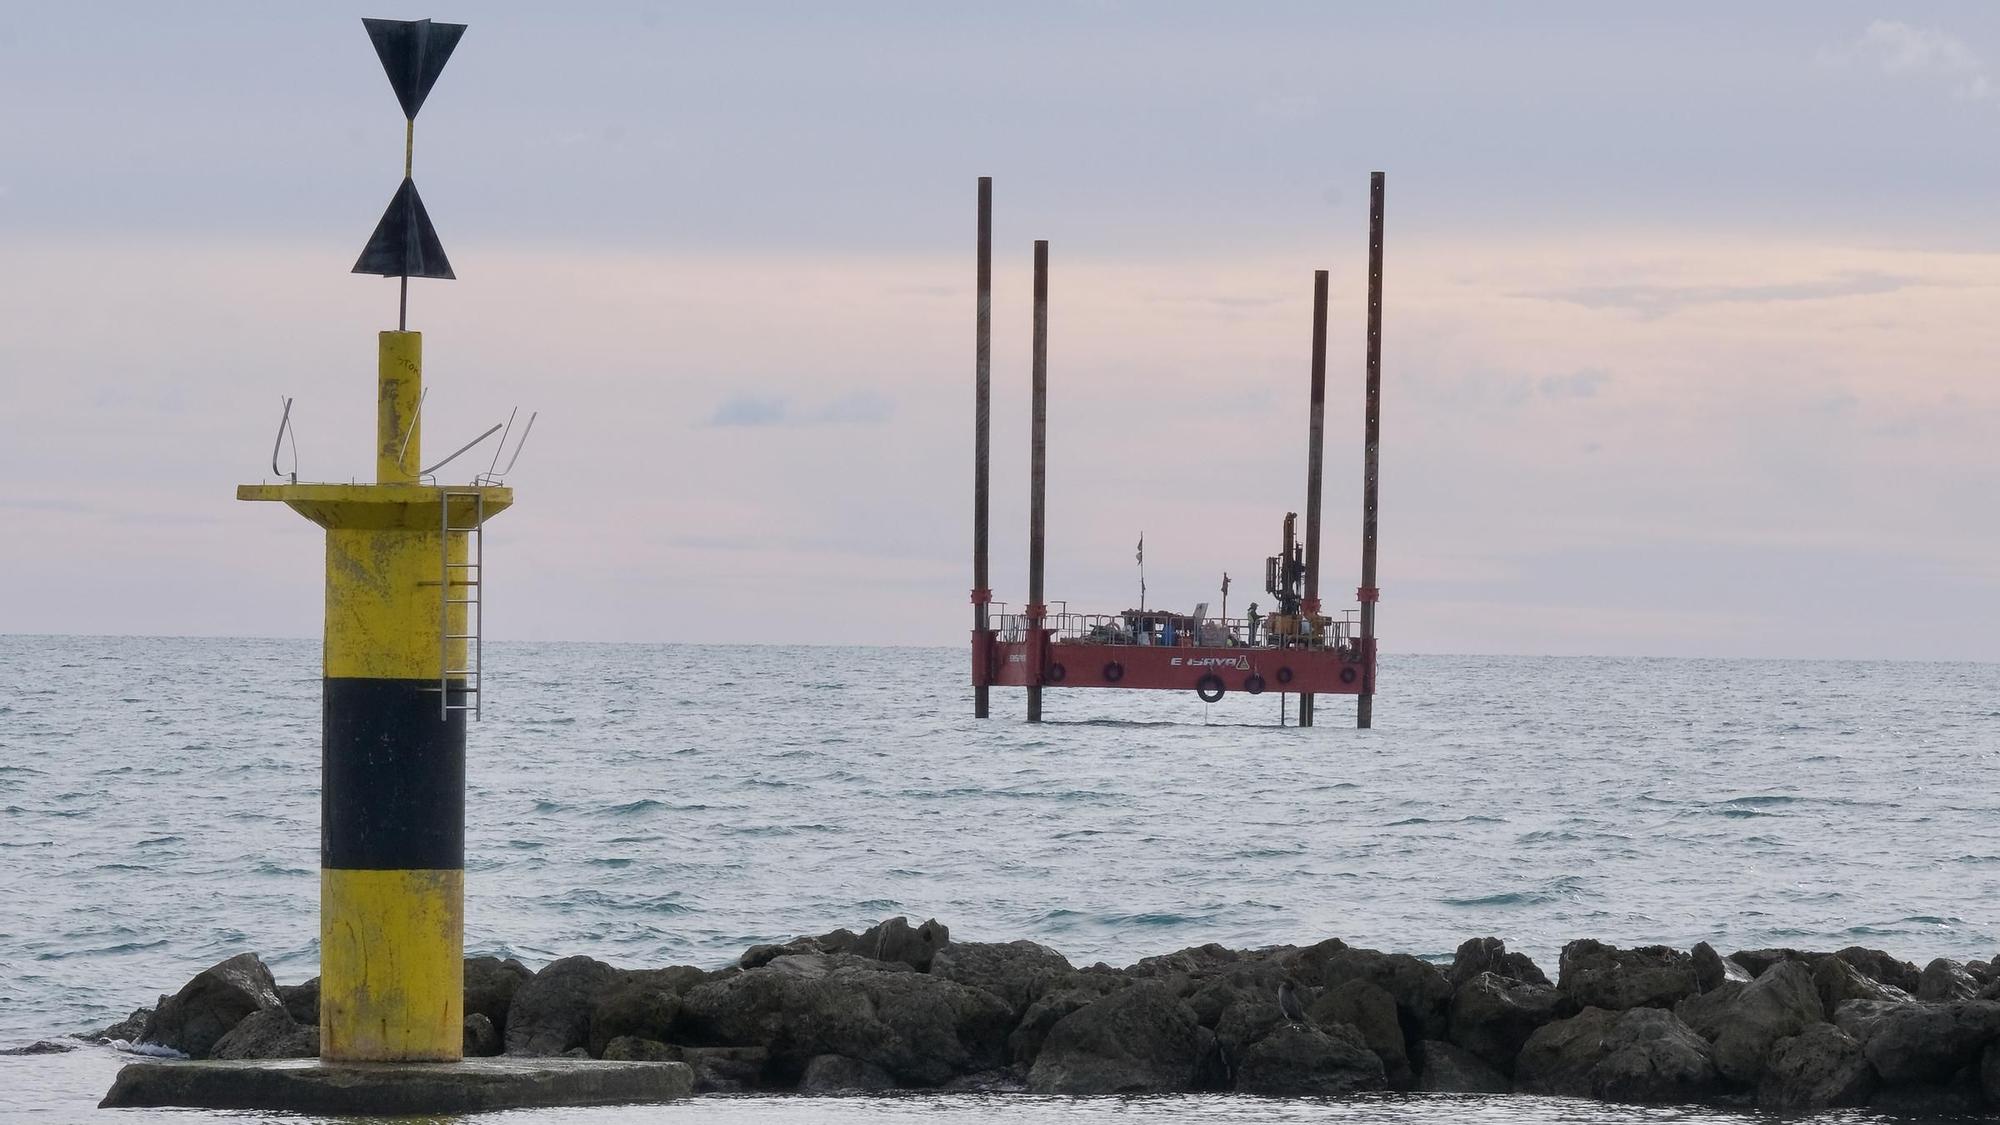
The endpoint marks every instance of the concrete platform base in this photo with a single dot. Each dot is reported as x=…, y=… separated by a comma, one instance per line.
x=312, y=1086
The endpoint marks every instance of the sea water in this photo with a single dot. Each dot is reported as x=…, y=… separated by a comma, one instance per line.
x=652, y=805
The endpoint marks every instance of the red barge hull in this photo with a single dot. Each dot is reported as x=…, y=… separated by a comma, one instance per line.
x=1042, y=662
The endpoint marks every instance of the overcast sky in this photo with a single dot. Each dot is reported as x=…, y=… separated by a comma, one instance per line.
x=1689, y=334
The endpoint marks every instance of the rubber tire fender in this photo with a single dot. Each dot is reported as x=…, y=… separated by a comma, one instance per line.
x=1254, y=684
x=1113, y=672
x=1285, y=674
x=1210, y=688
x=1349, y=675
x=1055, y=674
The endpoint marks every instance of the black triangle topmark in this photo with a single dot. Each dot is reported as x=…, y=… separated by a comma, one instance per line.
x=404, y=243
x=413, y=52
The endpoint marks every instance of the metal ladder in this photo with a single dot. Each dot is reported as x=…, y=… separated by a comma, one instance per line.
x=459, y=584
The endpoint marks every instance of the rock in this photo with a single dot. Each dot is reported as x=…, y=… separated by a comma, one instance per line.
x=1033, y=1027
x=1192, y=961
x=1299, y=1061
x=1917, y=1043
x=44, y=1047
x=1371, y=1012
x=1018, y=972
x=1745, y=1026
x=1138, y=1040
x=194, y=1019
x=1250, y=982
x=490, y=984
x=576, y=1053
x=986, y=1082
x=1445, y=1069
x=833, y=1074
x=1820, y=1068
x=1711, y=969
x=482, y=1039
x=1489, y=955
x=1492, y=1017
x=1881, y=967
x=1838, y=982
x=726, y=1070
x=894, y=940
x=302, y=1001
x=550, y=1012
x=271, y=1033
x=631, y=1048
x=1640, y=1055
x=641, y=1004
x=1421, y=990
x=814, y=965
x=1596, y=975
x=1755, y=961
x=1957, y=1097
x=922, y=1030
x=837, y=941
x=1945, y=979
x=1243, y=1023
x=128, y=1029
x=1989, y=1073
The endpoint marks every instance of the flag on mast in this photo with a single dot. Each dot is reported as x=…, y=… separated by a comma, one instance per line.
x=1141, y=557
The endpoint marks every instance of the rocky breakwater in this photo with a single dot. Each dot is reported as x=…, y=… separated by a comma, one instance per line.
x=903, y=1006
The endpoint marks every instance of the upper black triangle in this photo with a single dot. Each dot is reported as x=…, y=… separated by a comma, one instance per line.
x=413, y=52
x=404, y=243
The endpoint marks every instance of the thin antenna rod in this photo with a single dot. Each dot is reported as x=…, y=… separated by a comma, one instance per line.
x=1371, y=442
x=412, y=427
x=502, y=447
x=520, y=441
x=461, y=449
x=284, y=424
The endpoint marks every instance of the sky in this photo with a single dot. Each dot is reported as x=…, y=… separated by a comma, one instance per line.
x=1688, y=323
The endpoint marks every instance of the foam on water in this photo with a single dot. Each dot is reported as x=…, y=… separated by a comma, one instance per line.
x=159, y=809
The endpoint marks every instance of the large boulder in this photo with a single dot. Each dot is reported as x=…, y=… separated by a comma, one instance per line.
x=838, y=1074
x=1945, y=979
x=642, y=1003
x=1018, y=972
x=1196, y=960
x=1250, y=982
x=1421, y=990
x=1744, y=1023
x=481, y=1039
x=717, y=1070
x=1032, y=1029
x=1755, y=961
x=302, y=1001
x=1820, y=1068
x=1640, y=1055
x=1919, y=1043
x=490, y=984
x=270, y=1033
x=194, y=1019
x=1370, y=1011
x=1492, y=1016
x=1838, y=981
x=1139, y=1040
x=1879, y=966
x=550, y=1011
x=1445, y=1069
x=896, y=940
x=836, y=941
x=1595, y=975
x=1295, y=1060
x=1489, y=955
x=1712, y=970
x=130, y=1029
x=920, y=1029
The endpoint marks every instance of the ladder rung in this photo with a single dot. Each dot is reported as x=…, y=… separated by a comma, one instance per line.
x=461, y=636
x=461, y=601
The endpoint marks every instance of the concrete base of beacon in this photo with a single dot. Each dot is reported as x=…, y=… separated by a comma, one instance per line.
x=390, y=1089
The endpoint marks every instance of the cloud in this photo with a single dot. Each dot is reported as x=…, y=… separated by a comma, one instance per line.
x=1654, y=301
x=1576, y=384
x=1897, y=48
x=860, y=408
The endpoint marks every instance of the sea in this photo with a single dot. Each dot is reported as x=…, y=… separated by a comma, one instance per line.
x=673, y=804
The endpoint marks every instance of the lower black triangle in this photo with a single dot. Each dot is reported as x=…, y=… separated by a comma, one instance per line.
x=404, y=243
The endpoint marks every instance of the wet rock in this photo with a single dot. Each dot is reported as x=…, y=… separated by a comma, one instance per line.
x=1989, y=1073
x=1421, y=990
x=1838, y=982
x=725, y=1070
x=1193, y=961
x=987, y=1082
x=641, y=1004
x=815, y=965
x=1363, y=1006
x=632, y=1048
x=837, y=941
x=1596, y=975
x=271, y=1033
x=1748, y=1021
x=302, y=1001
x=1711, y=969
x=1945, y=979
x=1445, y=1069
x=1820, y=1068
x=1755, y=961
x=194, y=1019
x=128, y=1029
x=1018, y=972
x=44, y=1047
x=550, y=1011
x=1243, y=1023
x=923, y=1030
x=1299, y=1061
x=1489, y=955
x=1492, y=1017
x=1883, y=968
x=490, y=984
x=576, y=1053
x=1025, y=1043
x=1959, y=1096
x=1251, y=982
x=481, y=1039
x=835, y=1074
x=1641, y=1055
x=895, y=940
x=1139, y=1040
x=1919, y=1043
